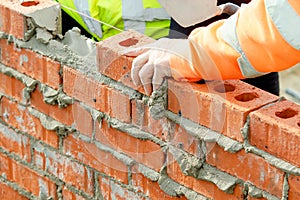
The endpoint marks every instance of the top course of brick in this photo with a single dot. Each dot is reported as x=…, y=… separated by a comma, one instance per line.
x=22, y=18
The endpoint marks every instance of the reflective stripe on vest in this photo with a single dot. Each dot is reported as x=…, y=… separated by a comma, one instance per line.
x=135, y=15
x=228, y=32
x=82, y=6
x=286, y=20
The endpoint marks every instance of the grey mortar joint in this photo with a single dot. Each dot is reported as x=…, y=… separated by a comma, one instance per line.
x=205, y=134
x=245, y=130
x=78, y=52
x=158, y=102
x=278, y=163
x=20, y=190
x=190, y=194
x=31, y=166
x=59, y=191
x=122, y=157
x=48, y=150
x=96, y=115
x=98, y=194
x=134, y=132
x=148, y=172
x=30, y=84
x=30, y=29
x=229, y=144
x=222, y=180
x=285, y=188
x=133, y=94
x=78, y=192
x=43, y=35
x=258, y=193
x=11, y=39
x=51, y=124
x=190, y=165
x=53, y=97
x=173, y=188
x=166, y=184
x=56, y=50
x=116, y=188
x=3, y=35
x=41, y=19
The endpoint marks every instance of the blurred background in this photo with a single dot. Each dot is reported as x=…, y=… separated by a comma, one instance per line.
x=290, y=84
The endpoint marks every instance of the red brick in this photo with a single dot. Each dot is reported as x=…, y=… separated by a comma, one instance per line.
x=180, y=138
x=248, y=167
x=143, y=151
x=276, y=129
x=67, y=194
x=97, y=95
x=112, y=63
x=62, y=167
x=294, y=187
x=142, y=119
x=19, y=117
x=149, y=187
x=119, y=105
x=111, y=190
x=26, y=178
x=73, y=115
x=31, y=63
x=85, y=89
x=203, y=187
x=82, y=119
x=14, y=142
x=102, y=161
x=7, y=192
x=217, y=104
x=11, y=87
x=13, y=16
x=8, y=19
x=63, y=115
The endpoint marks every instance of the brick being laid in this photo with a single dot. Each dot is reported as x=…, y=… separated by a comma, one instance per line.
x=276, y=130
x=21, y=18
x=110, y=60
x=222, y=106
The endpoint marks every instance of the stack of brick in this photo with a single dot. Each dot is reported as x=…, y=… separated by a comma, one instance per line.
x=73, y=126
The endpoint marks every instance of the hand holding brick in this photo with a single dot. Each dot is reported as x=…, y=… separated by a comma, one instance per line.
x=110, y=60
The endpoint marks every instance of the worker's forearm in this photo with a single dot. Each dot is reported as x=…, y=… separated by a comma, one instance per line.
x=248, y=44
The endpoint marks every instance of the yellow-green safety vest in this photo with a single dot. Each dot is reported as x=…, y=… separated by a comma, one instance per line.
x=144, y=16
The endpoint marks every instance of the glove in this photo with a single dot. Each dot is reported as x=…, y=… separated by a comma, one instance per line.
x=151, y=65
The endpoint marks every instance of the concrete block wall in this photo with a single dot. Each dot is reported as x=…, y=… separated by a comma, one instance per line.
x=73, y=126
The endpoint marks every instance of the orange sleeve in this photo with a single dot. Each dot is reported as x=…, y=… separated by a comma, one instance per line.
x=266, y=48
x=212, y=58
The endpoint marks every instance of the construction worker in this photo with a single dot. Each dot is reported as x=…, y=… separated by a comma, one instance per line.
x=102, y=19
x=268, y=82
x=262, y=37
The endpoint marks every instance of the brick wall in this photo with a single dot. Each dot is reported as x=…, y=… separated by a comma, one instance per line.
x=73, y=126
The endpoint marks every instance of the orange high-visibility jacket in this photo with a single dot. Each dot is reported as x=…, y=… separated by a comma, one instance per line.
x=263, y=36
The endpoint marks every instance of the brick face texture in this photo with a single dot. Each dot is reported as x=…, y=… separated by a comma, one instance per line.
x=73, y=131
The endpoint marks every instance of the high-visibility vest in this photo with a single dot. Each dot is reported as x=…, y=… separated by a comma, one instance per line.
x=144, y=16
x=262, y=37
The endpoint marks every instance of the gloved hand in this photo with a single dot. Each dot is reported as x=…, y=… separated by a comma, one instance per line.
x=151, y=65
